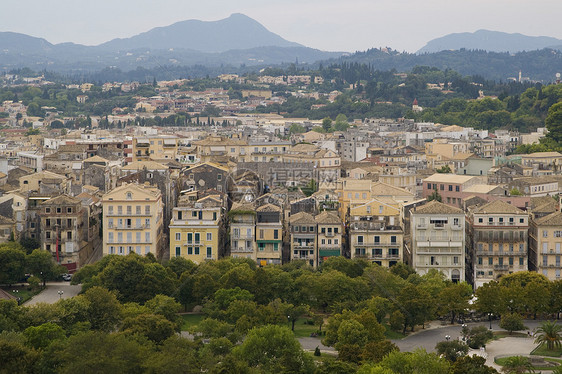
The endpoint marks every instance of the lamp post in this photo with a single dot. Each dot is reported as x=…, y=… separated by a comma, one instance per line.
x=447, y=337
x=60, y=294
x=490, y=318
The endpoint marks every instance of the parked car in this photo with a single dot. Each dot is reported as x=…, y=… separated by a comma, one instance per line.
x=67, y=277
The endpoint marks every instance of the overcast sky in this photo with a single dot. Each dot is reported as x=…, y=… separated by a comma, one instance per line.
x=334, y=25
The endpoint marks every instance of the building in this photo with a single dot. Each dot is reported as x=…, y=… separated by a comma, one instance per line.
x=545, y=239
x=242, y=221
x=450, y=186
x=375, y=232
x=497, y=240
x=64, y=231
x=197, y=227
x=269, y=232
x=302, y=227
x=330, y=235
x=438, y=240
x=133, y=220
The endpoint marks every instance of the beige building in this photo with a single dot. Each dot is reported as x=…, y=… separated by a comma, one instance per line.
x=133, y=220
x=157, y=148
x=197, y=227
x=498, y=240
x=242, y=218
x=269, y=232
x=438, y=240
x=302, y=227
x=375, y=232
x=545, y=240
x=330, y=235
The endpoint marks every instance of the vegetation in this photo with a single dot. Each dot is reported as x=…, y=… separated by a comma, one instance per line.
x=550, y=334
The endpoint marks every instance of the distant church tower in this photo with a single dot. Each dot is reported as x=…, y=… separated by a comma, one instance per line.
x=416, y=107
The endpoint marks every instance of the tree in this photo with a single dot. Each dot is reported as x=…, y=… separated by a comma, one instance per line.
x=478, y=336
x=273, y=349
x=327, y=124
x=12, y=265
x=490, y=298
x=454, y=299
x=451, y=349
x=16, y=358
x=512, y=322
x=155, y=327
x=472, y=365
x=296, y=312
x=41, y=264
x=104, y=308
x=39, y=337
x=435, y=196
x=445, y=169
x=549, y=333
x=419, y=362
x=553, y=122
x=397, y=320
x=165, y=306
x=517, y=365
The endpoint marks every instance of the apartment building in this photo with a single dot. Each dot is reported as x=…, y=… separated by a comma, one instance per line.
x=242, y=222
x=302, y=227
x=450, y=186
x=157, y=148
x=497, y=233
x=375, y=233
x=438, y=240
x=545, y=240
x=330, y=235
x=269, y=232
x=64, y=232
x=197, y=227
x=133, y=220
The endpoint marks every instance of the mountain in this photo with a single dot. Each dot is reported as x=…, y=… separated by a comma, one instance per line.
x=492, y=41
x=12, y=42
x=235, y=32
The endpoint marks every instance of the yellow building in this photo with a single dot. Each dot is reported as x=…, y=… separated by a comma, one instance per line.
x=269, y=234
x=330, y=230
x=132, y=220
x=303, y=238
x=545, y=240
x=375, y=232
x=157, y=148
x=242, y=219
x=196, y=228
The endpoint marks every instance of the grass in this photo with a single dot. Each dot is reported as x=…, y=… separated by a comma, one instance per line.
x=303, y=330
x=541, y=350
x=505, y=334
x=391, y=334
x=502, y=360
x=324, y=357
x=23, y=292
x=190, y=320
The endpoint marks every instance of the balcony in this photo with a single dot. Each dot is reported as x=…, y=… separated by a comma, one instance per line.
x=303, y=246
x=502, y=267
x=242, y=249
x=376, y=244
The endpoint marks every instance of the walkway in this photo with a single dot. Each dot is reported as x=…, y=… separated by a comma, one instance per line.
x=50, y=294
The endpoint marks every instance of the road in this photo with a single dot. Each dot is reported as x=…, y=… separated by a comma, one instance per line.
x=50, y=294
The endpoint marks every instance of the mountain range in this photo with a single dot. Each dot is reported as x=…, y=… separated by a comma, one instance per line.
x=233, y=41
x=491, y=41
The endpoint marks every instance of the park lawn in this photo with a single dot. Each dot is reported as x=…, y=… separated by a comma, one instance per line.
x=190, y=320
x=501, y=361
x=505, y=334
x=303, y=330
x=324, y=357
x=23, y=292
x=391, y=334
x=541, y=350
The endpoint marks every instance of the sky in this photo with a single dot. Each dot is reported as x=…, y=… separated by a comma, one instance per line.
x=331, y=25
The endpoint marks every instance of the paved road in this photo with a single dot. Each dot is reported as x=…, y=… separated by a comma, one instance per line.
x=429, y=337
x=50, y=294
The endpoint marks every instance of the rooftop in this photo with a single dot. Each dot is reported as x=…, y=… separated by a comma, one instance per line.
x=435, y=207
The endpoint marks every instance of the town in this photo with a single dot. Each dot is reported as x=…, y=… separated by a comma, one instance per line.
x=406, y=220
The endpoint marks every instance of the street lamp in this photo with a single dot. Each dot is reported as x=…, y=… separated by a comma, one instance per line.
x=490, y=318
x=60, y=294
x=447, y=337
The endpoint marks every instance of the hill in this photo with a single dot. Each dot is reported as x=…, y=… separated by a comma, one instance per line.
x=491, y=41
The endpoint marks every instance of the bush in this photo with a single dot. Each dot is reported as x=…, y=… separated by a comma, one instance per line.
x=512, y=322
x=397, y=320
x=478, y=337
x=317, y=351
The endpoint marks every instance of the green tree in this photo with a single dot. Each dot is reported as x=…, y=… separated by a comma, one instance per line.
x=154, y=326
x=104, y=310
x=451, y=349
x=41, y=264
x=445, y=169
x=39, y=337
x=549, y=333
x=478, y=336
x=472, y=365
x=419, y=362
x=273, y=349
x=553, y=122
x=16, y=358
x=327, y=124
x=165, y=306
x=397, y=320
x=454, y=299
x=12, y=265
x=435, y=196
x=517, y=365
x=512, y=322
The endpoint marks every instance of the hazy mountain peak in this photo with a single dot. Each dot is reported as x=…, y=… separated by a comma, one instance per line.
x=235, y=32
x=493, y=41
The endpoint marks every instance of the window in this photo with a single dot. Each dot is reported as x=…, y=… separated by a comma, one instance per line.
x=209, y=252
x=119, y=209
x=178, y=251
x=511, y=261
x=275, y=234
x=275, y=247
x=455, y=260
x=457, y=188
x=360, y=239
x=197, y=238
x=442, y=187
x=59, y=210
x=147, y=209
x=189, y=250
x=311, y=229
x=129, y=196
x=48, y=234
x=450, y=187
x=490, y=260
x=455, y=221
x=261, y=234
x=209, y=236
x=261, y=247
x=479, y=260
x=545, y=233
x=480, y=220
x=147, y=237
x=429, y=186
x=189, y=238
x=178, y=236
x=138, y=209
x=47, y=210
x=69, y=210
x=521, y=220
x=392, y=239
x=110, y=209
